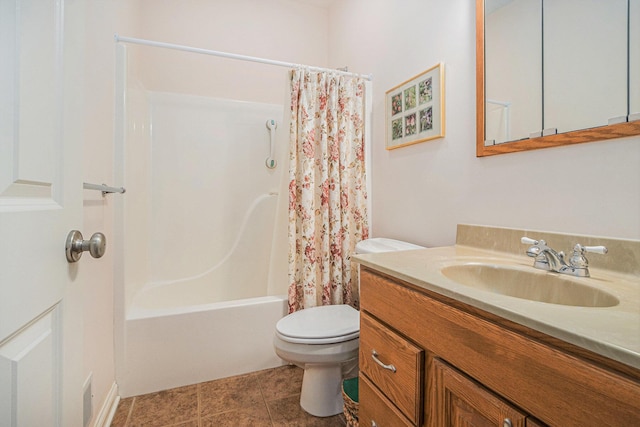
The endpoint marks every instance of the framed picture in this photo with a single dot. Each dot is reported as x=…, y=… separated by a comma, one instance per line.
x=415, y=109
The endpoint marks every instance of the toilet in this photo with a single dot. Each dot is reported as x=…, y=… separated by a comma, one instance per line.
x=324, y=341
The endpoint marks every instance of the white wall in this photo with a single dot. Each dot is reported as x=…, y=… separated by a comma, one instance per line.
x=102, y=19
x=422, y=191
x=282, y=30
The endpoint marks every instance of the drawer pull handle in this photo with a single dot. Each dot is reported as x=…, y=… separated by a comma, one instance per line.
x=506, y=423
x=374, y=356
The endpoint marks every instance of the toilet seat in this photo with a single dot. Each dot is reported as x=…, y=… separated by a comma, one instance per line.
x=320, y=325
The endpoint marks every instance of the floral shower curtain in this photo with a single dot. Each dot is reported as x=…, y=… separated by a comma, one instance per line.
x=327, y=192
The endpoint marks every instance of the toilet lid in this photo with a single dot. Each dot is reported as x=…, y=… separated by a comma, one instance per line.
x=320, y=325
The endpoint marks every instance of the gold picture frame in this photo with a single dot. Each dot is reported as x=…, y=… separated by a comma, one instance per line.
x=414, y=110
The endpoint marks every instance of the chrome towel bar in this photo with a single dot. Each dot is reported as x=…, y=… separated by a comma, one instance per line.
x=102, y=187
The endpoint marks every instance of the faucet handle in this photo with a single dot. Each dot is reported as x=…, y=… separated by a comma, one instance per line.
x=579, y=262
x=593, y=249
x=540, y=245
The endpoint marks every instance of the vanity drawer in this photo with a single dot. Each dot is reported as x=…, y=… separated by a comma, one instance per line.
x=393, y=364
x=376, y=410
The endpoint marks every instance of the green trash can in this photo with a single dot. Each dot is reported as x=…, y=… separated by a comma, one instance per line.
x=350, y=397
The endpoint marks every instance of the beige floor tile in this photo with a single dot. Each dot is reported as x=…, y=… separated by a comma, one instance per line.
x=229, y=394
x=178, y=405
x=192, y=423
x=287, y=412
x=280, y=382
x=122, y=412
x=257, y=416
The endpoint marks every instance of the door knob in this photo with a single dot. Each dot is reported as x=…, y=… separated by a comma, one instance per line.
x=96, y=245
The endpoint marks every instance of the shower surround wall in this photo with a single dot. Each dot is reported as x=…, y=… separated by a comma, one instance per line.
x=213, y=200
x=203, y=245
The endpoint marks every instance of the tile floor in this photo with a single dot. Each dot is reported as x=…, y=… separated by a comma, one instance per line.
x=264, y=398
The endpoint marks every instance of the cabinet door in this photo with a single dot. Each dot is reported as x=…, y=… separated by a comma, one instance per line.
x=461, y=402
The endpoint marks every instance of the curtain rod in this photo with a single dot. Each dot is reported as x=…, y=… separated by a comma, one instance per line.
x=233, y=56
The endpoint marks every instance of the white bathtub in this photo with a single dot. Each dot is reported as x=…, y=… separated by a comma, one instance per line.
x=173, y=347
x=210, y=325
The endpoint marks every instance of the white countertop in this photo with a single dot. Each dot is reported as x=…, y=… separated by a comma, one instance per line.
x=613, y=332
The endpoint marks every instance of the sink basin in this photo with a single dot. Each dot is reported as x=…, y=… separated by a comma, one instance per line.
x=534, y=285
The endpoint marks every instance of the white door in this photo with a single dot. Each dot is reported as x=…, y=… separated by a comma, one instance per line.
x=40, y=202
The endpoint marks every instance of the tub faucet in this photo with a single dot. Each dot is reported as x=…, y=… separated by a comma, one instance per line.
x=548, y=259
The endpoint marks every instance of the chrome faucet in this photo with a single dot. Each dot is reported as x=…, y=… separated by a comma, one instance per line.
x=548, y=259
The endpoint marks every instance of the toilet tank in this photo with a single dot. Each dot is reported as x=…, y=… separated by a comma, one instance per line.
x=383, y=244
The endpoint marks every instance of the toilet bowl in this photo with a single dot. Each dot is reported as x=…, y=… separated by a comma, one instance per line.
x=324, y=342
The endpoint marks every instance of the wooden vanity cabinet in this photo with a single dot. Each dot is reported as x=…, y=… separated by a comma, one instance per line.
x=476, y=369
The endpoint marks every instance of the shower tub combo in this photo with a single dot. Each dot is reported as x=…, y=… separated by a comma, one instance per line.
x=203, y=240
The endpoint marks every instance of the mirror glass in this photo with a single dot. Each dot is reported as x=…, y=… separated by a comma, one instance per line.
x=556, y=72
x=634, y=56
x=585, y=63
x=513, y=64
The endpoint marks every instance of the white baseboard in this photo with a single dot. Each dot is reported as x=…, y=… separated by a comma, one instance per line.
x=108, y=409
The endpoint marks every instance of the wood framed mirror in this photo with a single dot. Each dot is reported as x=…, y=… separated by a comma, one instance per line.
x=622, y=128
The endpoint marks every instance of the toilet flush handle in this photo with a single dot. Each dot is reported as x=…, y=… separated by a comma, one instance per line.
x=374, y=356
